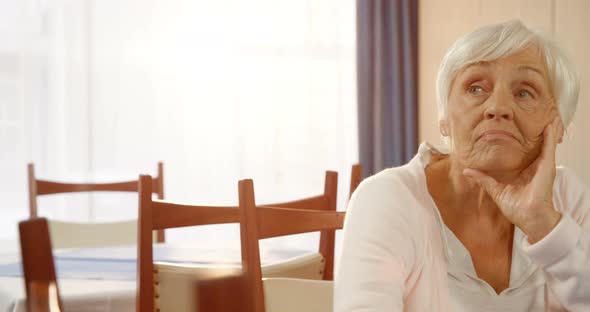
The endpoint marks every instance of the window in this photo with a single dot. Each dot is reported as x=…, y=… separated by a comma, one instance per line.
x=218, y=90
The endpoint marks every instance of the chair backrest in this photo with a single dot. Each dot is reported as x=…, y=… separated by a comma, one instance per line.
x=356, y=176
x=160, y=215
x=39, y=187
x=38, y=267
x=324, y=202
x=260, y=222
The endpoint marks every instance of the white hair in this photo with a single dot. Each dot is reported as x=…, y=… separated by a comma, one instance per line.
x=496, y=41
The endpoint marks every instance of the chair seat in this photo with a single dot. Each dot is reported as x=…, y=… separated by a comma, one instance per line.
x=175, y=283
x=310, y=266
x=294, y=295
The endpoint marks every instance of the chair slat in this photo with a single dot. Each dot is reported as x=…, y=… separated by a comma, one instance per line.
x=274, y=222
x=48, y=187
x=319, y=202
x=171, y=215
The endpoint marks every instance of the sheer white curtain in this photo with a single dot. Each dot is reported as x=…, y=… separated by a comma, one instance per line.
x=44, y=103
x=218, y=90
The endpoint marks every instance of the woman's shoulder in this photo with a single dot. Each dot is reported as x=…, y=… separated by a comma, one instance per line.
x=393, y=181
x=392, y=208
x=395, y=191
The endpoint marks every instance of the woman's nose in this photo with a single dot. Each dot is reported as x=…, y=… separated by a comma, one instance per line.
x=499, y=106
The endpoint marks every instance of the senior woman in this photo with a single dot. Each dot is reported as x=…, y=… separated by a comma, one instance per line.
x=492, y=224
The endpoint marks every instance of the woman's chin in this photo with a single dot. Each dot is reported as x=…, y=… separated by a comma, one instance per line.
x=498, y=160
x=497, y=167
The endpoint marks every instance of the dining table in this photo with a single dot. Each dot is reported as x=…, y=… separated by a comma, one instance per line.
x=104, y=278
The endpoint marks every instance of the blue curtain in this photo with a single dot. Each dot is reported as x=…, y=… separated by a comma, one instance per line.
x=387, y=86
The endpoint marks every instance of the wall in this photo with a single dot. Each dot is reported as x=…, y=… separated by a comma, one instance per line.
x=442, y=22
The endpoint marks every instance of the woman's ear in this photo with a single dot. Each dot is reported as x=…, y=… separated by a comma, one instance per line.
x=443, y=127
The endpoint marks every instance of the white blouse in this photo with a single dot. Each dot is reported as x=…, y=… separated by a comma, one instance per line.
x=397, y=254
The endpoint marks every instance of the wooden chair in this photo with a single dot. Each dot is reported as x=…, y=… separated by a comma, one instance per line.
x=174, y=280
x=324, y=202
x=38, y=268
x=260, y=222
x=90, y=234
x=356, y=176
x=160, y=215
x=212, y=294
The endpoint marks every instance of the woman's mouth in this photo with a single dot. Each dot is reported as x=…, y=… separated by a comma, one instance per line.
x=491, y=135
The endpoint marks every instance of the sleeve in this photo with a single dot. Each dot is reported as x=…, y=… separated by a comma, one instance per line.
x=378, y=250
x=564, y=254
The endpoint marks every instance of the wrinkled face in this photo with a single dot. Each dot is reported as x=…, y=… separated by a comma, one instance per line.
x=497, y=112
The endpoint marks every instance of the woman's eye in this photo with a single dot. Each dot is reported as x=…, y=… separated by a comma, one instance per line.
x=475, y=90
x=523, y=94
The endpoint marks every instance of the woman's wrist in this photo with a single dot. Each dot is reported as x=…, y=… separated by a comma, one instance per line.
x=538, y=227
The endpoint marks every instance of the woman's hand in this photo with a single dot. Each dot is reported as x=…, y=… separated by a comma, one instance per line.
x=528, y=201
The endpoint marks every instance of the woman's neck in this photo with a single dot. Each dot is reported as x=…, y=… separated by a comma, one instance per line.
x=461, y=197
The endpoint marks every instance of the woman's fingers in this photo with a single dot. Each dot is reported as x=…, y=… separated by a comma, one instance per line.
x=549, y=142
x=542, y=180
x=560, y=132
x=489, y=184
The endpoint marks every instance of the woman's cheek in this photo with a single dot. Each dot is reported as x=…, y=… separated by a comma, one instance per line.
x=533, y=136
x=472, y=102
x=548, y=112
x=534, y=122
